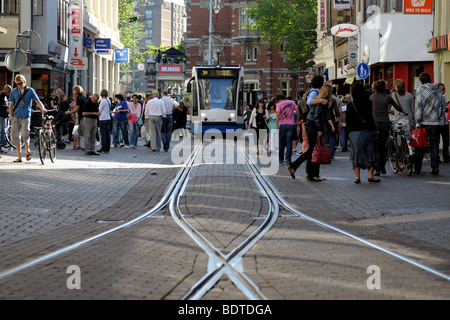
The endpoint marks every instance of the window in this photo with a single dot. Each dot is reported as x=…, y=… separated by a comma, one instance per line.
x=245, y=20
x=9, y=7
x=284, y=87
x=251, y=54
x=37, y=7
x=62, y=21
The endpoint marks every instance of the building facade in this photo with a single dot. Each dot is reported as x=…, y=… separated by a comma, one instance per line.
x=165, y=25
x=47, y=67
x=266, y=71
x=439, y=45
x=392, y=38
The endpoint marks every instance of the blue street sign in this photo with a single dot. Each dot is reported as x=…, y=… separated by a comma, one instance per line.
x=102, y=44
x=122, y=56
x=363, y=70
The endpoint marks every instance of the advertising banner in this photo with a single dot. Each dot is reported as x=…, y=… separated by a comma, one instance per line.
x=76, y=59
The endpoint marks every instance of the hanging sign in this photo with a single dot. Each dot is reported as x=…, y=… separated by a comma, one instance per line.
x=76, y=59
x=344, y=30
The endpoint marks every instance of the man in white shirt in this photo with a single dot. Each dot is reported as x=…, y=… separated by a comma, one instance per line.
x=167, y=125
x=154, y=112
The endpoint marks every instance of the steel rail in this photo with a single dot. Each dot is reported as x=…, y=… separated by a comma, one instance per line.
x=222, y=264
x=159, y=206
x=298, y=213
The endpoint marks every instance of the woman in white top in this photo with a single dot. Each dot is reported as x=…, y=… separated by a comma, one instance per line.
x=105, y=121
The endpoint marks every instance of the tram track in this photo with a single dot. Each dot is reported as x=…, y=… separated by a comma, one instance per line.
x=220, y=264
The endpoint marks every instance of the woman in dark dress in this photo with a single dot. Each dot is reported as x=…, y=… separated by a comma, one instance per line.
x=360, y=125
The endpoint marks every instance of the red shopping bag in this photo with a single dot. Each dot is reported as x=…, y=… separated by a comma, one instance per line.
x=419, y=138
x=321, y=153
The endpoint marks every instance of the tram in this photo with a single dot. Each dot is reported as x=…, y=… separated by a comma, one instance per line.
x=216, y=99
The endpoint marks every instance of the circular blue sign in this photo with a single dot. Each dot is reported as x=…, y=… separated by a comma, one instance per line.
x=363, y=70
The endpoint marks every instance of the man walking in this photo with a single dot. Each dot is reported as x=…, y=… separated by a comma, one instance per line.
x=20, y=103
x=154, y=112
x=167, y=122
x=430, y=111
x=90, y=115
x=4, y=116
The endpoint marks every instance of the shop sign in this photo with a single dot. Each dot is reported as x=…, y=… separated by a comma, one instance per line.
x=54, y=47
x=170, y=68
x=322, y=15
x=344, y=30
x=440, y=43
x=418, y=7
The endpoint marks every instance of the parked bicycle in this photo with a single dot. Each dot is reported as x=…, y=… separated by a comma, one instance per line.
x=399, y=152
x=45, y=138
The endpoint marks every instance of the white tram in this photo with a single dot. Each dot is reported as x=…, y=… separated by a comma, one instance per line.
x=216, y=99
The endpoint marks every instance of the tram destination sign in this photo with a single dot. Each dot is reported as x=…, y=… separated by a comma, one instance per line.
x=218, y=73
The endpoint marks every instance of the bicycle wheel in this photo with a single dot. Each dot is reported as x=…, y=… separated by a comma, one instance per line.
x=42, y=145
x=392, y=154
x=8, y=138
x=51, y=141
x=407, y=158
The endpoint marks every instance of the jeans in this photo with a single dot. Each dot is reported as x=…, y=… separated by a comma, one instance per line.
x=3, y=131
x=287, y=132
x=122, y=124
x=166, y=131
x=380, y=147
x=105, y=133
x=90, y=128
x=330, y=137
x=312, y=169
x=133, y=133
x=433, y=135
x=154, y=123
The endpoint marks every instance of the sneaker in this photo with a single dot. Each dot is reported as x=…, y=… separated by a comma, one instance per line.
x=4, y=150
x=127, y=147
x=114, y=146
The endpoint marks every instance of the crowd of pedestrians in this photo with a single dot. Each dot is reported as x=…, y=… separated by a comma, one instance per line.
x=95, y=117
x=360, y=122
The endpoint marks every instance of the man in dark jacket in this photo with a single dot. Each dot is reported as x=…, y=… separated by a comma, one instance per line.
x=4, y=114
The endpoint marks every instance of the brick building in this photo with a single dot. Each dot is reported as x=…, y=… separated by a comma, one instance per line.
x=266, y=72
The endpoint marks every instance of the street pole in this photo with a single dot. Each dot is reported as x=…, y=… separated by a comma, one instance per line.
x=210, y=33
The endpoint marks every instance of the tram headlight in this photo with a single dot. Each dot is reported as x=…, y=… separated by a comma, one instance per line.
x=203, y=114
x=232, y=115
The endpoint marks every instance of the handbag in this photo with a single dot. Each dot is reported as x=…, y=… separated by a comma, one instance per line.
x=419, y=138
x=321, y=153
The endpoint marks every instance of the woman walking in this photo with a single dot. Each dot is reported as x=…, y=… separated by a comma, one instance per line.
x=315, y=123
x=360, y=124
x=381, y=103
x=258, y=120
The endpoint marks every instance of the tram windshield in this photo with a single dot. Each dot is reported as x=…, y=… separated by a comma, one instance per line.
x=217, y=93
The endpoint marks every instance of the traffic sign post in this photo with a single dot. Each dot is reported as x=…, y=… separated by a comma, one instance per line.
x=363, y=70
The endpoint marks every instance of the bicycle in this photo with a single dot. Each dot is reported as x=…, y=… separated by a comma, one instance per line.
x=400, y=154
x=45, y=139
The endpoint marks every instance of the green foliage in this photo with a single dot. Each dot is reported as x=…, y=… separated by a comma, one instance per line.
x=287, y=23
x=131, y=32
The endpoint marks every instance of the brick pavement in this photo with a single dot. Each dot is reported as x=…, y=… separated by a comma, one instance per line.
x=155, y=260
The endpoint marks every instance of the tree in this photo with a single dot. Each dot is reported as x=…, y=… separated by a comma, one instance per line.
x=290, y=24
x=131, y=32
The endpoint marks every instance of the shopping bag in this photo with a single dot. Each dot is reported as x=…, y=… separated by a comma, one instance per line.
x=419, y=138
x=321, y=153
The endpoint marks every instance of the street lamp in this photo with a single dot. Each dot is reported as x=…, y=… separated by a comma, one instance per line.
x=216, y=11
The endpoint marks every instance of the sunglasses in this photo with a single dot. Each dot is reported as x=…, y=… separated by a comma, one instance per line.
x=19, y=84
